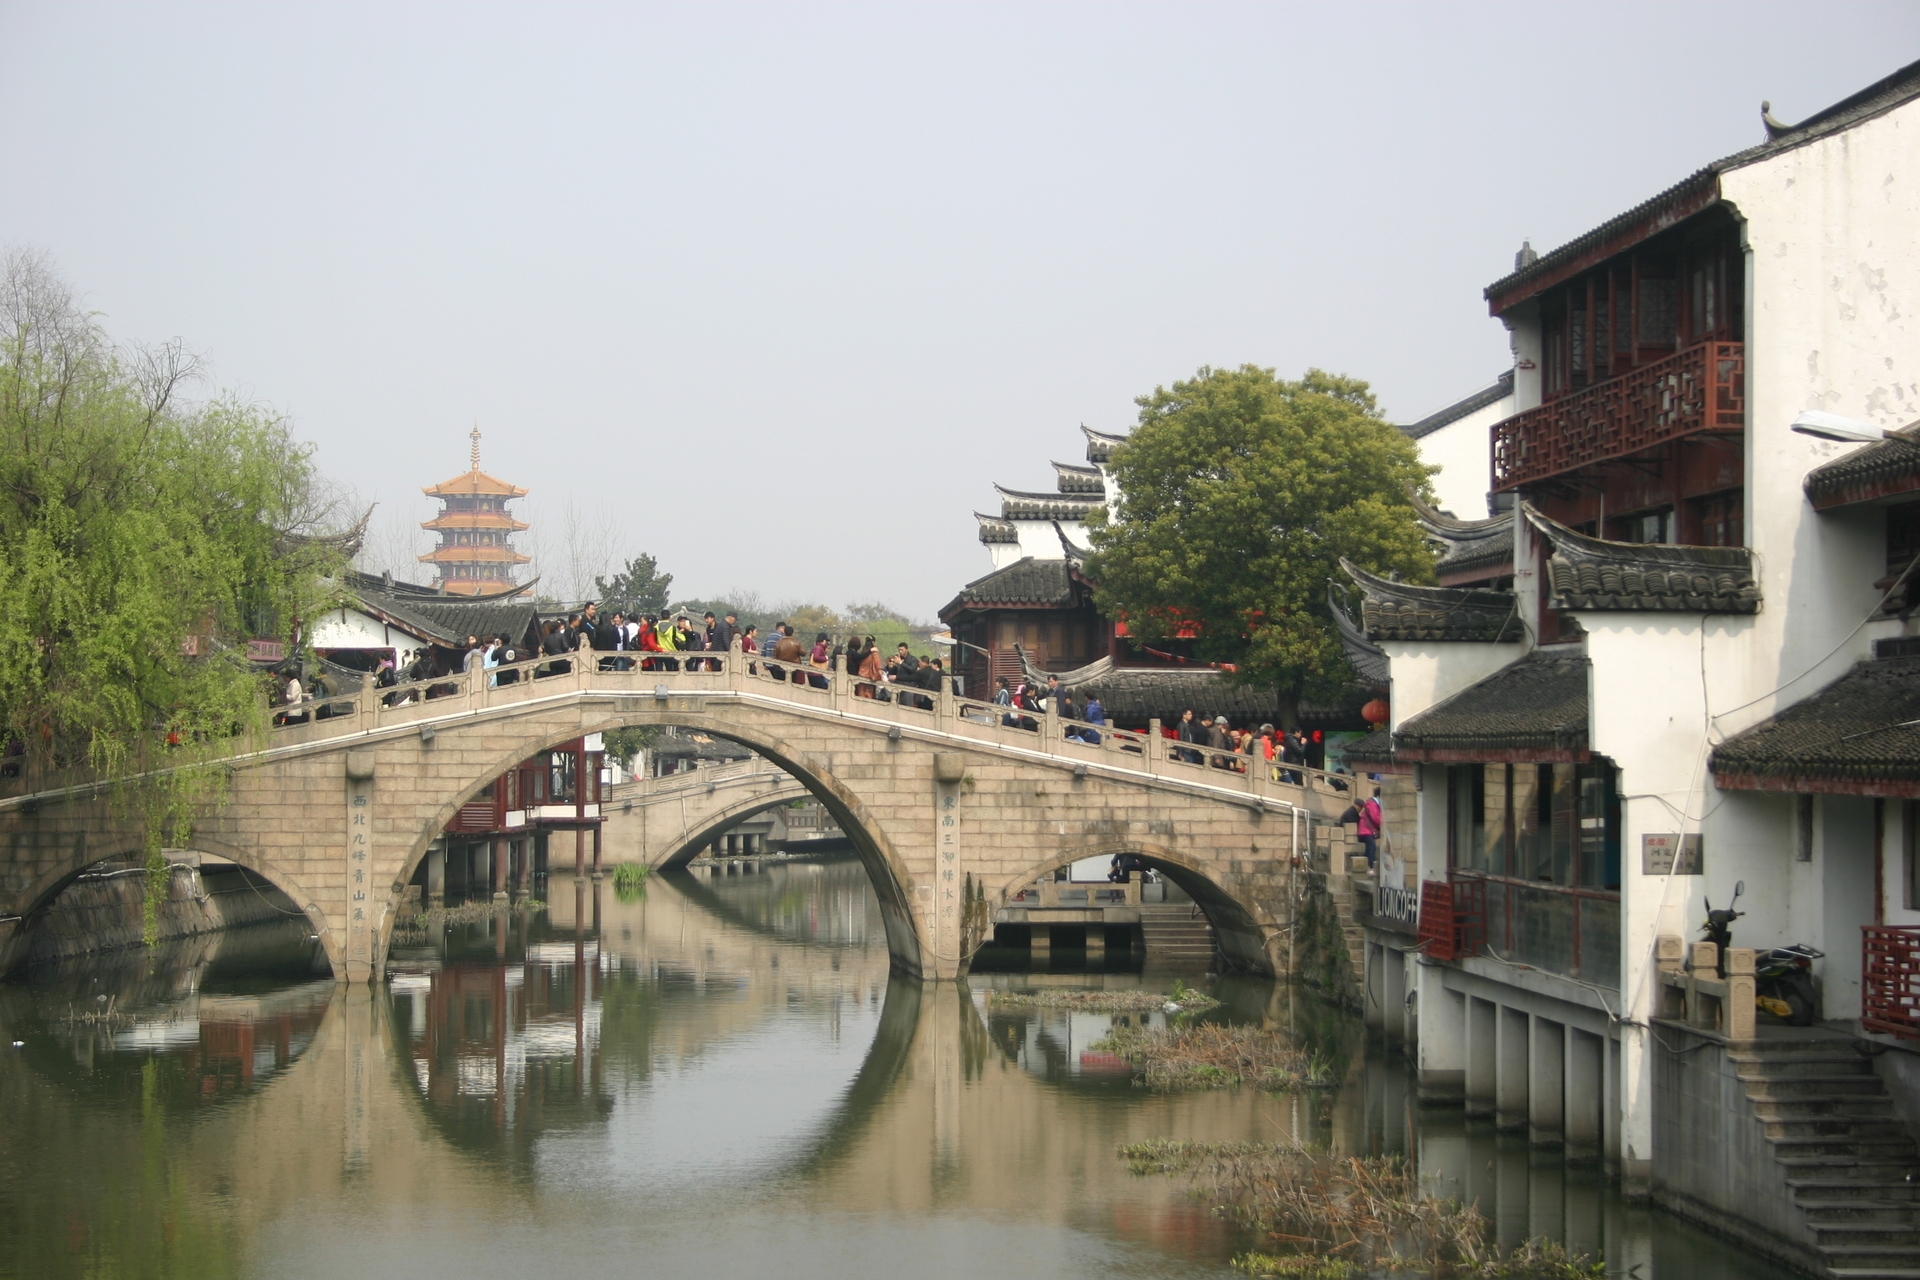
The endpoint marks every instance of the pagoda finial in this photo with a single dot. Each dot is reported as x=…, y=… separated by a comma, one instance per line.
x=475, y=437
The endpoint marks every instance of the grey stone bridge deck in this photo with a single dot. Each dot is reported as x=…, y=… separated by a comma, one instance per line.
x=950, y=810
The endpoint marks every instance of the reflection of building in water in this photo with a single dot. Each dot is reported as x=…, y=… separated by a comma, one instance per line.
x=503, y=841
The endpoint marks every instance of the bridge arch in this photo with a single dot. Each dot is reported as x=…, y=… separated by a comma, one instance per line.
x=84, y=855
x=1241, y=928
x=883, y=863
x=714, y=824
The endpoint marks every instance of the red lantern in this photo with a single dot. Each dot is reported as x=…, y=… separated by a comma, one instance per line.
x=1374, y=712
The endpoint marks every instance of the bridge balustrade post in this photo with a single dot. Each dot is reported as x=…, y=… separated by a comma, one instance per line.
x=736, y=665
x=1050, y=728
x=943, y=705
x=1150, y=749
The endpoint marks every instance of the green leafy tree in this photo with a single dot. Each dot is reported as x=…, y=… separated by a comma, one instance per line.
x=640, y=587
x=143, y=541
x=1239, y=495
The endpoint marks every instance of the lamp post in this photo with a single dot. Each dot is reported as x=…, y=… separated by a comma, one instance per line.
x=1831, y=426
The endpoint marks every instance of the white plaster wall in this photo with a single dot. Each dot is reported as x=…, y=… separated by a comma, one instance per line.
x=1893, y=875
x=1463, y=450
x=1429, y=672
x=351, y=629
x=1037, y=539
x=1833, y=289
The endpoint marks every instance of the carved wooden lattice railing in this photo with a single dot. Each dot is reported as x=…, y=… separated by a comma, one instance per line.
x=1700, y=389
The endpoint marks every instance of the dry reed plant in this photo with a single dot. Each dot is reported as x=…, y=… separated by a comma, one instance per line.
x=1216, y=1056
x=1100, y=1001
x=1346, y=1216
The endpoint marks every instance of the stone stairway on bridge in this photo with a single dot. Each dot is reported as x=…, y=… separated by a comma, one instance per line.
x=1176, y=935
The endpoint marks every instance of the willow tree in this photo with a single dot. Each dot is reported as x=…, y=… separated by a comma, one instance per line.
x=1239, y=495
x=143, y=540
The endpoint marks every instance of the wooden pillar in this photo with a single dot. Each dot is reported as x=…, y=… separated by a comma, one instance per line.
x=579, y=853
x=596, y=850
x=500, y=871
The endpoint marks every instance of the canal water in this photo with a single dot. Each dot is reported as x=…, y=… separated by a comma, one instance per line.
x=712, y=1077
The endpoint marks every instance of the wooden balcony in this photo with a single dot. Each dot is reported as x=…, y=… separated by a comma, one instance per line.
x=1701, y=389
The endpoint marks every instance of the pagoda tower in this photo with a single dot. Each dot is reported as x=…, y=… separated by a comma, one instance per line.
x=475, y=555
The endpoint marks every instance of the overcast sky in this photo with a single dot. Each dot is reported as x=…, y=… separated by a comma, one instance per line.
x=780, y=291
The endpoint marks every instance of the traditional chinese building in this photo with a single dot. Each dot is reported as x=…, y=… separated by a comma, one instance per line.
x=1676, y=662
x=475, y=555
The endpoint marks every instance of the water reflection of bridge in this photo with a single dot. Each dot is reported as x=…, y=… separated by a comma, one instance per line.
x=683, y=1048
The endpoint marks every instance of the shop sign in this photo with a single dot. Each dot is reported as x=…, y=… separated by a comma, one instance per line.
x=265, y=650
x=1396, y=908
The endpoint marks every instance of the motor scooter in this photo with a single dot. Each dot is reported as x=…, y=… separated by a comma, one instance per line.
x=1783, y=977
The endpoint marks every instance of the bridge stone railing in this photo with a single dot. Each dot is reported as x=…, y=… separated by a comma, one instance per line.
x=1150, y=753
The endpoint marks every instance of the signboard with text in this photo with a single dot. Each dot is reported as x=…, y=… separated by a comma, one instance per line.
x=1670, y=854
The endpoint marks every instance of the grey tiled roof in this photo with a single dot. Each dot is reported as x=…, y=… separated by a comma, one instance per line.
x=1099, y=443
x=1021, y=504
x=1135, y=695
x=1589, y=573
x=1470, y=548
x=995, y=529
x=1375, y=748
x=1880, y=96
x=1069, y=478
x=1502, y=388
x=1401, y=611
x=1887, y=467
x=1536, y=707
x=1026, y=581
x=449, y=620
x=1858, y=731
x=1368, y=659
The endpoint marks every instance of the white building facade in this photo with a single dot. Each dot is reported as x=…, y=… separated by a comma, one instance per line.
x=1698, y=645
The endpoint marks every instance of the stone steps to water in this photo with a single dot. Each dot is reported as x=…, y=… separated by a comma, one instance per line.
x=1850, y=1164
x=1176, y=934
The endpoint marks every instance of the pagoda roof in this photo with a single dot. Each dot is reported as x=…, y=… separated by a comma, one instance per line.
x=474, y=520
x=995, y=529
x=474, y=555
x=472, y=484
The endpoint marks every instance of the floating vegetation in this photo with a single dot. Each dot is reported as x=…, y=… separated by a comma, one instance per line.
x=1347, y=1216
x=630, y=881
x=1214, y=1056
x=1181, y=1001
x=420, y=927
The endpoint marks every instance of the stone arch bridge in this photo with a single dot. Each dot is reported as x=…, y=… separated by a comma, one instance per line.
x=949, y=809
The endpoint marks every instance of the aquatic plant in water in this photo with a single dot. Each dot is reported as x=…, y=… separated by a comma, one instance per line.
x=1101, y=1001
x=1347, y=1216
x=1211, y=1055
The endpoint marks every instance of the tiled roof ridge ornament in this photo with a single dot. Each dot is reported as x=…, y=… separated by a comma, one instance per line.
x=996, y=528
x=1444, y=524
x=1588, y=573
x=1075, y=555
x=1774, y=128
x=1403, y=611
x=1368, y=659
